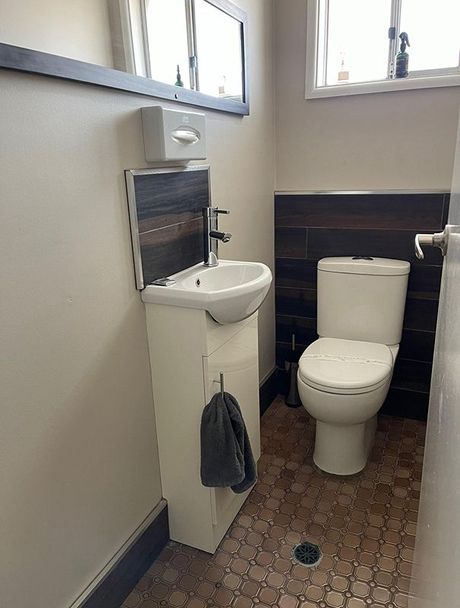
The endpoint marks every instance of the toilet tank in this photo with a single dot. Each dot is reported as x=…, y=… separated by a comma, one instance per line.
x=362, y=298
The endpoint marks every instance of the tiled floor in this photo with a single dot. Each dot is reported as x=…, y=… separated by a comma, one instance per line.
x=365, y=526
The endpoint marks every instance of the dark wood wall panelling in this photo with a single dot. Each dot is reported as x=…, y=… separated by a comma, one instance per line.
x=313, y=226
x=170, y=220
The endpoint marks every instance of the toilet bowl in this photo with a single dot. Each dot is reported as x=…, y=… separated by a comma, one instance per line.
x=344, y=376
x=343, y=384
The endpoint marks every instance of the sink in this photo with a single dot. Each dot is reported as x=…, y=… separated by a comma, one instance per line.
x=230, y=292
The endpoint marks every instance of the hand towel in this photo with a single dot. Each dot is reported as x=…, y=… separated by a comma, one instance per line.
x=226, y=454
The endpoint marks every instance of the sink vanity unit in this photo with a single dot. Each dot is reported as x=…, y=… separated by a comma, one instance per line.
x=189, y=351
x=202, y=331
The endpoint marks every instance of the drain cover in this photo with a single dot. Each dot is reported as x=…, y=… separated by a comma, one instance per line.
x=307, y=554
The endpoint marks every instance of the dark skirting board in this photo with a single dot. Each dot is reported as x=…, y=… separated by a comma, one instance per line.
x=269, y=389
x=122, y=579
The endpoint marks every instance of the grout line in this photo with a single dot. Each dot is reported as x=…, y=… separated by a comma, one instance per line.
x=281, y=314
x=170, y=226
x=361, y=229
x=414, y=360
x=411, y=295
x=301, y=344
x=278, y=286
x=409, y=390
x=316, y=259
x=297, y=288
x=294, y=316
x=280, y=257
x=384, y=192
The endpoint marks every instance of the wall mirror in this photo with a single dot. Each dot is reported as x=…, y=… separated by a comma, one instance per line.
x=192, y=51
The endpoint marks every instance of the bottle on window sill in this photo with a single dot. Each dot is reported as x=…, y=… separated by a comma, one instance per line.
x=222, y=86
x=344, y=74
x=402, y=58
x=179, y=82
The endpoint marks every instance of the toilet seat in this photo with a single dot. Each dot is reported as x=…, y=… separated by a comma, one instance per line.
x=345, y=367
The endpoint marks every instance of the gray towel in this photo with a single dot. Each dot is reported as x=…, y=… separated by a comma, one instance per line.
x=226, y=455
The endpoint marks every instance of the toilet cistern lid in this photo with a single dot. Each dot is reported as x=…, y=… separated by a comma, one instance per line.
x=345, y=365
x=367, y=265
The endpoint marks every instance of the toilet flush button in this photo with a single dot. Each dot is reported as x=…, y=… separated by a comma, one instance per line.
x=363, y=257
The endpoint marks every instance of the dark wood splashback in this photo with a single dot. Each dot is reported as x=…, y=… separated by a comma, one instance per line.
x=166, y=219
x=312, y=226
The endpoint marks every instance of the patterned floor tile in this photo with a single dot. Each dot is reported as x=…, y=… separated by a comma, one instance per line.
x=365, y=526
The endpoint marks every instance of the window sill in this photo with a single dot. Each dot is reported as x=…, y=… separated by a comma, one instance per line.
x=383, y=86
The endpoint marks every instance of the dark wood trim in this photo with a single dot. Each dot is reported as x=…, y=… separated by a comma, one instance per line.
x=283, y=381
x=124, y=576
x=269, y=389
x=312, y=225
x=46, y=64
x=406, y=404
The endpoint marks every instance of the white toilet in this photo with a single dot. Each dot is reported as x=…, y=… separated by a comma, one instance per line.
x=344, y=376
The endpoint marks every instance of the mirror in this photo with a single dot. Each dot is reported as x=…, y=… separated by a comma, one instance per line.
x=195, y=44
x=193, y=51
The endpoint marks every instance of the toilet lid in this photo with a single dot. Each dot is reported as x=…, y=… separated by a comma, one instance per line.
x=345, y=366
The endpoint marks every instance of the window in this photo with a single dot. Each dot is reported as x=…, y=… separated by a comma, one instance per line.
x=219, y=51
x=192, y=44
x=352, y=45
x=167, y=48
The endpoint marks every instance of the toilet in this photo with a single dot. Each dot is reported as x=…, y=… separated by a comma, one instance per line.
x=344, y=376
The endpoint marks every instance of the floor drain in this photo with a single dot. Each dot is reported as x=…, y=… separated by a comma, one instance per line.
x=307, y=554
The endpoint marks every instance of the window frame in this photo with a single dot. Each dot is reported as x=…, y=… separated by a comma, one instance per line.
x=316, y=62
x=137, y=48
x=30, y=61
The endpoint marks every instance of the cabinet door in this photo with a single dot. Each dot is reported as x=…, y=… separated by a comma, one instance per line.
x=237, y=359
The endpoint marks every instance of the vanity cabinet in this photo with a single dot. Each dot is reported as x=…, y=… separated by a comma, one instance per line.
x=188, y=351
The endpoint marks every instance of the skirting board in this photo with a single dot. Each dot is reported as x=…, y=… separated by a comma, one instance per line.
x=269, y=389
x=118, y=578
x=120, y=575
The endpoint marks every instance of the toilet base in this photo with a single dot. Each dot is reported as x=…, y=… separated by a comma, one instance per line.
x=343, y=449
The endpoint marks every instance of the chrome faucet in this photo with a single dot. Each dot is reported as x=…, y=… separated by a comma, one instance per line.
x=212, y=235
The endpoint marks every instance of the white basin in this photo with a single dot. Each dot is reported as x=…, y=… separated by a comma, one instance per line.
x=230, y=292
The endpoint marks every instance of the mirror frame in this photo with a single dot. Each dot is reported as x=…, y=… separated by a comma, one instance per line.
x=46, y=64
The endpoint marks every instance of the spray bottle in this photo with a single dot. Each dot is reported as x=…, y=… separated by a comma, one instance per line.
x=402, y=58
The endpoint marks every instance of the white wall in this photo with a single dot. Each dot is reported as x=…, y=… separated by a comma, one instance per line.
x=78, y=460
x=78, y=29
x=387, y=140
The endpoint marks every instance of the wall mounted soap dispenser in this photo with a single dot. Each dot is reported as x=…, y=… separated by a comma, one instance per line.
x=171, y=135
